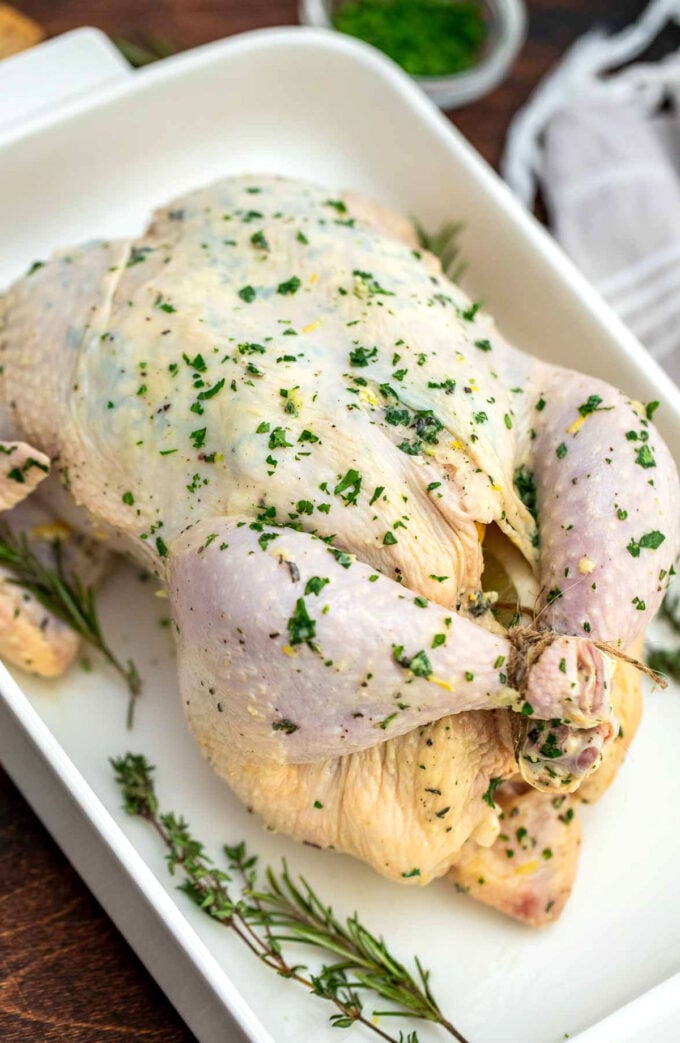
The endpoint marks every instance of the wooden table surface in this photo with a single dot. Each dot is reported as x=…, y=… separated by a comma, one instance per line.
x=65, y=972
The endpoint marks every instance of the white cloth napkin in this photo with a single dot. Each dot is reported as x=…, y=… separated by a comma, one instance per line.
x=605, y=151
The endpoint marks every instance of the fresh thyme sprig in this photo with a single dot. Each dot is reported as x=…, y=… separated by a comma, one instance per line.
x=445, y=245
x=667, y=660
x=66, y=597
x=139, y=54
x=277, y=910
x=670, y=609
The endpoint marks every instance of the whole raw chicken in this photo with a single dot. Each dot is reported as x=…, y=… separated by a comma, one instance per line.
x=276, y=401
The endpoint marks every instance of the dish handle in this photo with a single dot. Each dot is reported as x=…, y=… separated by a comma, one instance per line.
x=38, y=82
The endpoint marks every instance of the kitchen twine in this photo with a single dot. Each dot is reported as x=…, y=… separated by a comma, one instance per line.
x=528, y=644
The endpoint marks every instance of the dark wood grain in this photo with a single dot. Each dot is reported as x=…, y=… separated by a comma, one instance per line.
x=65, y=972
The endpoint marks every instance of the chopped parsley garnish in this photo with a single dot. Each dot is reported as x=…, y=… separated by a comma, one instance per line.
x=211, y=392
x=277, y=439
x=316, y=584
x=525, y=487
x=592, y=405
x=448, y=385
x=337, y=204
x=290, y=286
x=351, y=485
x=469, y=313
x=362, y=356
x=494, y=783
x=395, y=416
x=644, y=457
x=371, y=285
x=341, y=556
x=419, y=664
x=650, y=541
x=197, y=362
x=259, y=240
x=550, y=749
x=561, y=451
x=301, y=627
x=247, y=294
x=198, y=437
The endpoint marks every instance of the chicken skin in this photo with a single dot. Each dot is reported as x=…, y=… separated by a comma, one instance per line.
x=277, y=402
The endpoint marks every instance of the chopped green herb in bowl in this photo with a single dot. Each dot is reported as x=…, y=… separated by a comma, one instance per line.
x=425, y=37
x=457, y=50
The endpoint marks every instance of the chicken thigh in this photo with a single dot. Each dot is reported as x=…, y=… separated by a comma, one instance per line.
x=276, y=401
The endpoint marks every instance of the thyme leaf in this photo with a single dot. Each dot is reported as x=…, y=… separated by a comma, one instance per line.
x=445, y=244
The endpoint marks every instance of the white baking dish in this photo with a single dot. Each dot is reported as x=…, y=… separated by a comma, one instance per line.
x=320, y=105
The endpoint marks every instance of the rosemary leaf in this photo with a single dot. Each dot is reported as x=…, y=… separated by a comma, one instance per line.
x=278, y=910
x=65, y=597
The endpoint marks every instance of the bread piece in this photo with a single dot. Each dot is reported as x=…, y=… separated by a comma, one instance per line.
x=17, y=31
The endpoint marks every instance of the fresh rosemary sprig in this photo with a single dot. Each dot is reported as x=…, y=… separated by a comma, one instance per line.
x=66, y=597
x=445, y=245
x=268, y=913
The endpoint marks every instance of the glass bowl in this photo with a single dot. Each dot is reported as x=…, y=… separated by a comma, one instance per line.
x=506, y=20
